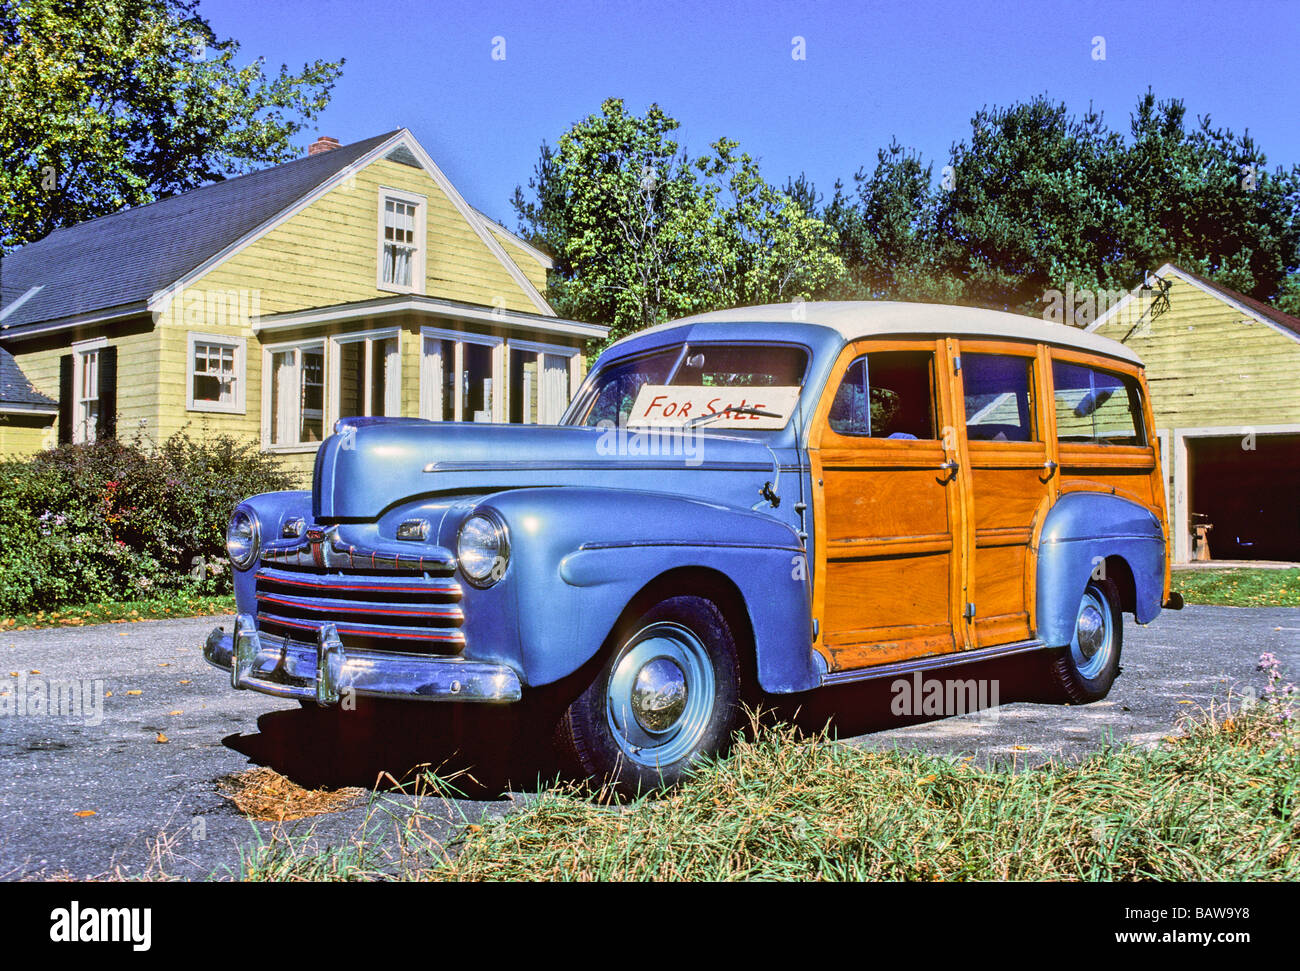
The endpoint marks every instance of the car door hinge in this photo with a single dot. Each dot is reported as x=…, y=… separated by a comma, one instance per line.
x=969, y=612
x=956, y=364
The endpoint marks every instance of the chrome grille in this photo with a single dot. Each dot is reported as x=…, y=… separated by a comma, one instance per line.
x=405, y=611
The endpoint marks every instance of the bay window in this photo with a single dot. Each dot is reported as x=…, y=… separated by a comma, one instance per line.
x=366, y=380
x=460, y=377
x=294, y=404
x=539, y=382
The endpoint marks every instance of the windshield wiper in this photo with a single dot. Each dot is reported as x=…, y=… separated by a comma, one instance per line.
x=735, y=411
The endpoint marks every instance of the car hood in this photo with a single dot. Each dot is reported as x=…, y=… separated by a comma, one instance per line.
x=371, y=464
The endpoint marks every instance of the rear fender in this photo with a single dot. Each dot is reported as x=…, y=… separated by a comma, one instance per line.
x=1080, y=533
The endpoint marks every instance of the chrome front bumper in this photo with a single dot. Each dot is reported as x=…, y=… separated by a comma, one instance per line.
x=325, y=672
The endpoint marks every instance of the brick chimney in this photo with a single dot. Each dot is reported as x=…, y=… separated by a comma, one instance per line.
x=322, y=144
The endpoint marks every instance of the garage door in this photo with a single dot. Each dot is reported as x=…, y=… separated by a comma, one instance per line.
x=1250, y=496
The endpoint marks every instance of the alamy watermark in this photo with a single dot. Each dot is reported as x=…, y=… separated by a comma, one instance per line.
x=646, y=442
x=28, y=697
x=944, y=698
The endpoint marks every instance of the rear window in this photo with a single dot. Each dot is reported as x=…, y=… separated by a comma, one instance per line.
x=1095, y=407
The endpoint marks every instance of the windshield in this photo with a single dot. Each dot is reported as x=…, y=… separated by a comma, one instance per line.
x=721, y=383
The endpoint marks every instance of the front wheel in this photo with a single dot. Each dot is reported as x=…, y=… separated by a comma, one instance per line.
x=1086, y=669
x=668, y=694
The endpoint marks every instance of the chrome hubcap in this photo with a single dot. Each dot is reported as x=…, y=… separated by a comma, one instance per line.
x=659, y=700
x=659, y=695
x=1092, y=630
x=1094, y=638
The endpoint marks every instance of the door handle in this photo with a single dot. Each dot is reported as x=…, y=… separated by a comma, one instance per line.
x=1050, y=468
x=952, y=466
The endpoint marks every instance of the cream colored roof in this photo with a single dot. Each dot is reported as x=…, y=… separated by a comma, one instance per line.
x=885, y=318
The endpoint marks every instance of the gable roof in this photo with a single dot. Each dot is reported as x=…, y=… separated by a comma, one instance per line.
x=16, y=392
x=123, y=259
x=132, y=261
x=1262, y=312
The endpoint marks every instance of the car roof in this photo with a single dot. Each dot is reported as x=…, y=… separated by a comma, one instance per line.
x=859, y=319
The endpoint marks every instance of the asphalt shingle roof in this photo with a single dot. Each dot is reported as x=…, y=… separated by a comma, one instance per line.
x=127, y=257
x=15, y=389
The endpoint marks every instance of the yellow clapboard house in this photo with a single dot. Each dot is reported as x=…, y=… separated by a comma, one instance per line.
x=1224, y=373
x=353, y=281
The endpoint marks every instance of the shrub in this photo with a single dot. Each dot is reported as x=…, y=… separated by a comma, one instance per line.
x=113, y=520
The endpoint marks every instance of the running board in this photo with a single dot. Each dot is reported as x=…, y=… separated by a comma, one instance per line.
x=936, y=662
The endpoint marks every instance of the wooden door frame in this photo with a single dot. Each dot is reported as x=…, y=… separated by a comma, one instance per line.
x=949, y=441
x=1044, y=441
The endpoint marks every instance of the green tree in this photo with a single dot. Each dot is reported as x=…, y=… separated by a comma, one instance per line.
x=123, y=102
x=1205, y=198
x=621, y=207
x=768, y=248
x=1032, y=204
x=888, y=235
x=643, y=233
x=1288, y=298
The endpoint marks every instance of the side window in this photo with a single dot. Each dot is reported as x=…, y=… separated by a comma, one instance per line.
x=888, y=394
x=999, y=402
x=1096, y=407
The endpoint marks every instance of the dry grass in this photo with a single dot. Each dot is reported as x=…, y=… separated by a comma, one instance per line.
x=1219, y=799
x=264, y=795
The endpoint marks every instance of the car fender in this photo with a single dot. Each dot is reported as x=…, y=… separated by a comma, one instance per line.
x=580, y=556
x=1081, y=531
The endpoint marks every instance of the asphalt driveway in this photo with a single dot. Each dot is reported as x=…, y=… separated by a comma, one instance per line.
x=129, y=780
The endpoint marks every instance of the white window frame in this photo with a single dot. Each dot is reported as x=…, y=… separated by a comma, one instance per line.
x=568, y=352
x=83, y=429
x=240, y=345
x=393, y=391
x=295, y=408
x=421, y=204
x=431, y=372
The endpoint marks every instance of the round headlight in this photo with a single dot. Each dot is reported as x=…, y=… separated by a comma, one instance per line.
x=242, y=539
x=483, y=549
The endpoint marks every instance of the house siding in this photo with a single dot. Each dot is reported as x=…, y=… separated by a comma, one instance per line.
x=1209, y=365
x=325, y=255
x=23, y=435
x=535, y=272
x=138, y=373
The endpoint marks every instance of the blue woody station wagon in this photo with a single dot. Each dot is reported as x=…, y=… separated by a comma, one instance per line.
x=762, y=500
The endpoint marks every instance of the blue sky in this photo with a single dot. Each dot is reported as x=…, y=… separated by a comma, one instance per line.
x=915, y=71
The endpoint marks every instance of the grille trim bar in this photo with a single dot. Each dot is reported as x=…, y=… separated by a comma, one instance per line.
x=440, y=635
x=368, y=583
x=448, y=613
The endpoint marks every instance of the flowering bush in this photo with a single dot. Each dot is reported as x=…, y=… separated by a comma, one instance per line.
x=115, y=521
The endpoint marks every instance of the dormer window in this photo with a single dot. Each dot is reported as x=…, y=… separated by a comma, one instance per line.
x=401, y=241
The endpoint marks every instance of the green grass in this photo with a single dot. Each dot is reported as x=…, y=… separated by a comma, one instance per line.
x=1218, y=801
x=1240, y=588
x=123, y=611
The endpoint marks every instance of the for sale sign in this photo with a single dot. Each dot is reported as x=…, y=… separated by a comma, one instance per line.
x=751, y=408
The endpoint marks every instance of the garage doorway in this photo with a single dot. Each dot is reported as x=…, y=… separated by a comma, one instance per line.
x=1249, y=496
